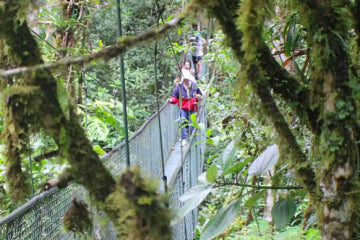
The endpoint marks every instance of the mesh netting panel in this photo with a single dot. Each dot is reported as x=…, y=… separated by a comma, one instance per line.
x=186, y=178
x=41, y=218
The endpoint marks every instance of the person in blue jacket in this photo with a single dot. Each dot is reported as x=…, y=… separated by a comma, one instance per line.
x=187, y=95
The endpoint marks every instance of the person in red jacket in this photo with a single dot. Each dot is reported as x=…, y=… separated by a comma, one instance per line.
x=187, y=95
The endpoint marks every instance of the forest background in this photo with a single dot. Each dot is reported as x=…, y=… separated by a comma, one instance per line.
x=298, y=87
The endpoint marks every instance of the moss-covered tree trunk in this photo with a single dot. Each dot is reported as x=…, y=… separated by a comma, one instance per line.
x=325, y=106
x=336, y=136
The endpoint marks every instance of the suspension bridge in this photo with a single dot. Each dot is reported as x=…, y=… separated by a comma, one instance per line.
x=41, y=217
x=154, y=148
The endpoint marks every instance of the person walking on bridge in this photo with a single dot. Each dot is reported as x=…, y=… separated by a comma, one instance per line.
x=187, y=95
x=198, y=53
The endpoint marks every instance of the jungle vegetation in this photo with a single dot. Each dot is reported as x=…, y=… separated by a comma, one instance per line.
x=281, y=72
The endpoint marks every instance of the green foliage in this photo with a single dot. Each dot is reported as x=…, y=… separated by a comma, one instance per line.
x=232, y=130
x=98, y=129
x=193, y=198
x=251, y=202
x=283, y=211
x=265, y=162
x=262, y=230
x=228, y=156
x=239, y=166
x=228, y=122
x=99, y=150
x=212, y=173
x=221, y=221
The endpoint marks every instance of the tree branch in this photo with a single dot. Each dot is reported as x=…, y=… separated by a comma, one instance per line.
x=257, y=186
x=261, y=58
x=61, y=181
x=46, y=155
x=106, y=53
x=279, y=80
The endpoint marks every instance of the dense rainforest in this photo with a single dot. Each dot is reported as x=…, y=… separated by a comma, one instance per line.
x=282, y=89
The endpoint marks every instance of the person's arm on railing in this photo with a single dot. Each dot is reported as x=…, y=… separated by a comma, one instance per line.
x=174, y=99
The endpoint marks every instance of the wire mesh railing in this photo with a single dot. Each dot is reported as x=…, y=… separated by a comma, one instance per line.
x=41, y=217
x=187, y=176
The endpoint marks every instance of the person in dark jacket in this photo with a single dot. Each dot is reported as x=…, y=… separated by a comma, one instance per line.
x=187, y=95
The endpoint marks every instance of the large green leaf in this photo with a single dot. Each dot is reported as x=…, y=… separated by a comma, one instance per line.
x=228, y=155
x=254, y=198
x=211, y=174
x=289, y=41
x=283, y=211
x=193, y=121
x=191, y=204
x=237, y=167
x=192, y=192
x=265, y=161
x=97, y=129
x=300, y=73
x=220, y=221
x=99, y=150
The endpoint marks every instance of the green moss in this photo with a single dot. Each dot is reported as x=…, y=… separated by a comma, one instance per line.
x=14, y=136
x=76, y=218
x=139, y=211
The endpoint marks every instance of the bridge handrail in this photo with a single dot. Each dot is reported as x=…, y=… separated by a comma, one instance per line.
x=34, y=219
x=135, y=134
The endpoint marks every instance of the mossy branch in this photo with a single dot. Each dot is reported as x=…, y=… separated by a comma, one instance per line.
x=46, y=155
x=107, y=53
x=219, y=184
x=299, y=161
x=139, y=211
x=279, y=80
x=253, y=63
x=61, y=181
x=18, y=187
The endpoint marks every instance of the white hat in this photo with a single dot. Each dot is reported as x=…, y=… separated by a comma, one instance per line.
x=186, y=74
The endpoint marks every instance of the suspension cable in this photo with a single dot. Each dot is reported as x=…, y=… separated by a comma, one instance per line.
x=85, y=98
x=115, y=90
x=123, y=90
x=45, y=41
x=168, y=36
x=189, y=127
x=164, y=178
x=31, y=166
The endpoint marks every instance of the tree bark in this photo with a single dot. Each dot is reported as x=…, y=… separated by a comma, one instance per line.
x=337, y=136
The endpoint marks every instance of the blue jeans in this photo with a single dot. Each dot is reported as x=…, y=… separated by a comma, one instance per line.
x=185, y=121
